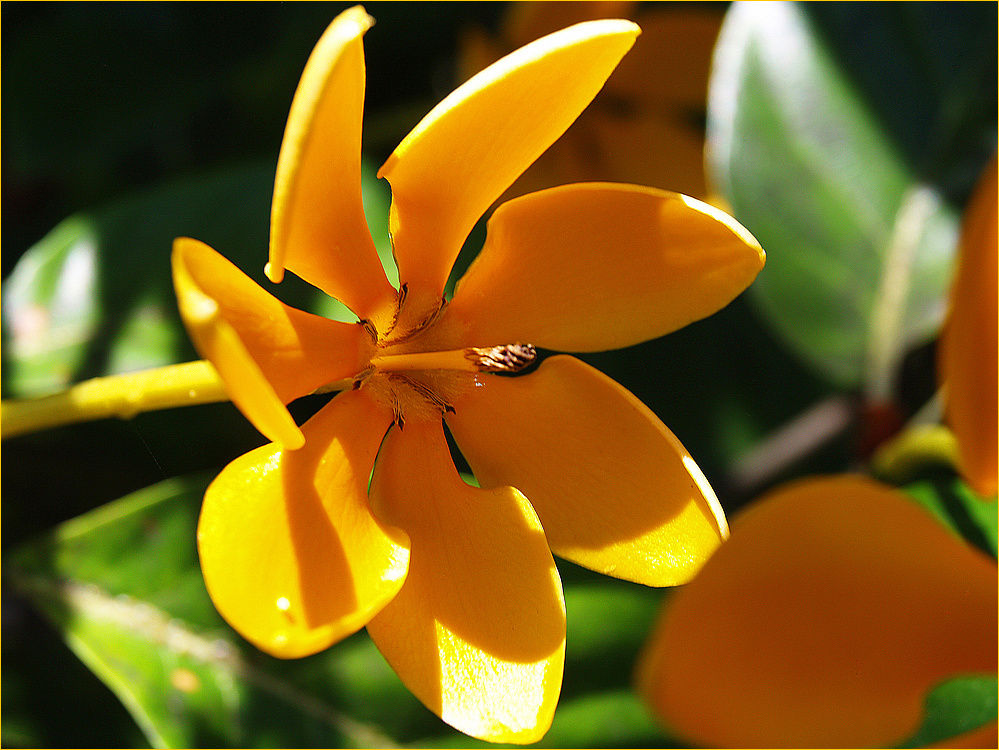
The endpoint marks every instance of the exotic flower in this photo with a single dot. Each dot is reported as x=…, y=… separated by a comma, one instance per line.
x=456, y=584
x=969, y=365
x=839, y=604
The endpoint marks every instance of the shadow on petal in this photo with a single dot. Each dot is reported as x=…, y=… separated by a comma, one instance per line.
x=313, y=538
x=291, y=554
x=478, y=630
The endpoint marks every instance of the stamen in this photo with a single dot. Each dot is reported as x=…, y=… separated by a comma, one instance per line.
x=504, y=358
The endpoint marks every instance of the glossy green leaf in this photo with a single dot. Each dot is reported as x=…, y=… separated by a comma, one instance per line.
x=95, y=296
x=123, y=585
x=809, y=170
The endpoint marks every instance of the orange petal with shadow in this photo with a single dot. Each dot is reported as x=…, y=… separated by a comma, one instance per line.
x=477, y=141
x=969, y=362
x=597, y=266
x=834, y=608
x=292, y=557
x=477, y=632
x=266, y=352
x=318, y=229
x=615, y=490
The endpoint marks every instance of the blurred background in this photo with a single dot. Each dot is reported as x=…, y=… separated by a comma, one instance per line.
x=128, y=124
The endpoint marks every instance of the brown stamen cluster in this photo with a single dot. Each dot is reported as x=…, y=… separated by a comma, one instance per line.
x=505, y=358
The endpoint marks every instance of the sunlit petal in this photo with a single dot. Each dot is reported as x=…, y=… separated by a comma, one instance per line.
x=266, y=352
x=291, y=554
x=472, y=146
x=600, y=266
x=969, y=364
x=832, y=610
x=478, y=630
x=318, y=229
x=615, y=490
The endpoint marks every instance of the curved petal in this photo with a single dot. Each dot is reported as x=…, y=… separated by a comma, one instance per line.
x=318, y=229
x=614, y=489
x=824, y=621
x=478, y=630
x=969, y=362
x=292, y=557
x=266, y=352
x=599, y=266
x=472, y=145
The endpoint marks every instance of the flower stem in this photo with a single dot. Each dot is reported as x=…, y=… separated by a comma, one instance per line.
x=886, y=341
x=121, y=396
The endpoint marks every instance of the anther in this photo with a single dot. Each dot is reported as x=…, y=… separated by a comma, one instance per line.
x=505, y=358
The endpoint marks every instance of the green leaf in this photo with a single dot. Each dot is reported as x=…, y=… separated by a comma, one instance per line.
x=611, y=719
x=959, y=508
x=95, y=296
x=123, y=584
x=808, y=169
x=955, y=707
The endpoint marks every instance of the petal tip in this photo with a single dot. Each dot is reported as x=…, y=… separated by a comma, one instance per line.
x=744, y=234
x=293, y=440
x=274, y=272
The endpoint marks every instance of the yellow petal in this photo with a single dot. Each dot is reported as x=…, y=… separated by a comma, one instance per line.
x=615, y=490
x=472, y=146
x=969, y=364
x=478, y=630
x=832, y=610
x=318, y=229
x=601, y=266
x=266, y=352
x=291, y=554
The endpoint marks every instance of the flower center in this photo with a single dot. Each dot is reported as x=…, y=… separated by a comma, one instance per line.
x=505, y=358
x=424, y=384
x=414, y=371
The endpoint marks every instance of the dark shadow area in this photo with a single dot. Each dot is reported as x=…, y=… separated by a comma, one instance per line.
x=935, y=92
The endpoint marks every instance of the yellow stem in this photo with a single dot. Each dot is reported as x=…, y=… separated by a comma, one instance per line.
x=451, y=360
x=121, y=396
x=887, y=341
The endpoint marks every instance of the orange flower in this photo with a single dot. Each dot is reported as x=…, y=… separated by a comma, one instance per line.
x=456, y=584
x=834, y=608
x=647, y=124
x=969, y=364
